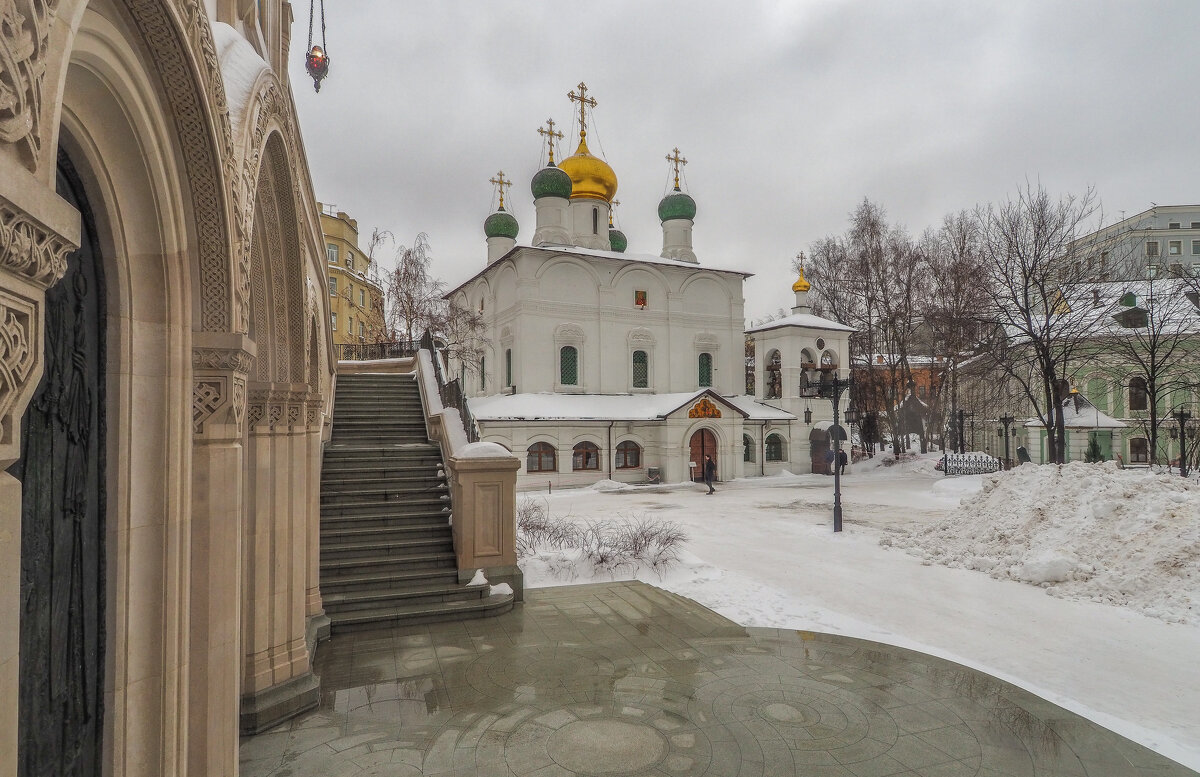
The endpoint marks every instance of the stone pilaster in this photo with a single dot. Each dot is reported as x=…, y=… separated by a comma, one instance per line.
x=317, y=627
x=220, y=368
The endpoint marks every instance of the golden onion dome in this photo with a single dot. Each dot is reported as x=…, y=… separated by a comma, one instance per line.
x=591, y=177
x=801, y=284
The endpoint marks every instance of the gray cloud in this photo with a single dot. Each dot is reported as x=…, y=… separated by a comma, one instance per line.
x=789, y=113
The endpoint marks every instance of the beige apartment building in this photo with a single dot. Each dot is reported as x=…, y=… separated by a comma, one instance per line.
x=355, y=299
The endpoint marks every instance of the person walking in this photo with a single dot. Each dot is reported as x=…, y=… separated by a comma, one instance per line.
x=710, y=472
x=843, y=460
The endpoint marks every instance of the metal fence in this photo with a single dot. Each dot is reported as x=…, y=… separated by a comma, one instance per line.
x=361, y=352
x=451, y=392
x=970, y=464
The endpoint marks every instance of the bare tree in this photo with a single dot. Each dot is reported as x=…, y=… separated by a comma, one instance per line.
x=1038, y=329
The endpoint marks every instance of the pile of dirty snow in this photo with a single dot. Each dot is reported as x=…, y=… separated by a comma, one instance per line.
x=1081, y=531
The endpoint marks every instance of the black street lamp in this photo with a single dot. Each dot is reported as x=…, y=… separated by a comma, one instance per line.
x=827, y=385
x=1006, y=420
x=1182, y=416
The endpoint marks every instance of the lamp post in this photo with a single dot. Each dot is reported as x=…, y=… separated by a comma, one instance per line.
x=827, y=385
x=1182, y=416
x=1007, y=421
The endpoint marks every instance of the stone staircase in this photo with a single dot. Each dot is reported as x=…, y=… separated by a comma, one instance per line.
x=387, y=554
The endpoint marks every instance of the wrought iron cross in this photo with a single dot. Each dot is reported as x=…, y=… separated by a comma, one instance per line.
x=500, y=181
x=550, y=135
x=676, y=160
x=584, y=102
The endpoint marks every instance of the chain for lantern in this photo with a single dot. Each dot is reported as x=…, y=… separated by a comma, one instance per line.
x=316, y=61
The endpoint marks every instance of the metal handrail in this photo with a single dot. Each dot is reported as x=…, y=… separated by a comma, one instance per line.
x=450, y=392
x=359, y=352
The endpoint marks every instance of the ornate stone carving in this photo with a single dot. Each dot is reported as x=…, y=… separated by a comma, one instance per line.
x=17, y=357
x=198, y=125
x=208, y=394
x=24, y=40
x=30, y=250
x=234, y=360
x=238, y=401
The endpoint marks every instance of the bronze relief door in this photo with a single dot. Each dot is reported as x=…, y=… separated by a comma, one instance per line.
x=61, y=469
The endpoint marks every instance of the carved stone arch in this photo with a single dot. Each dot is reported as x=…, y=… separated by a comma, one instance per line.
x=178, y=37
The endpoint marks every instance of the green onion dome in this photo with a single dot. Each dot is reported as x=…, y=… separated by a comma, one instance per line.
x=676, y=205
x=551, y=182
x=616, y=239
x=501, y=224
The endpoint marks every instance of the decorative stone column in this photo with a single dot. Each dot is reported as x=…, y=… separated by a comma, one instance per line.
x=220, y=367
x=277, y=674
x=483, y=480
x=37, y=231
x=317, y=626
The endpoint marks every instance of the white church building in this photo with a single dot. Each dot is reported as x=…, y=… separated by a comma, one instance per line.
x=603, y=364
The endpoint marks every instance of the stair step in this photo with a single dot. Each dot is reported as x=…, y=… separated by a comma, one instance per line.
x=430, y=560
x=430, y=519
x=382, y=546
x=384, y=532
x=402, y=615
x=395, y=595
x=371, y=579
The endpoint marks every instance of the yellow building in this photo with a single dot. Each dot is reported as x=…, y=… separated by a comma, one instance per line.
x=355, y=300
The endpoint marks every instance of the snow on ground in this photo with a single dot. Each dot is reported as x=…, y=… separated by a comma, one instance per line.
x=762, y=553
x=1082, y=531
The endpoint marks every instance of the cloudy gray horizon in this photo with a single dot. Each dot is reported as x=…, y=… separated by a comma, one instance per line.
x=789, y=114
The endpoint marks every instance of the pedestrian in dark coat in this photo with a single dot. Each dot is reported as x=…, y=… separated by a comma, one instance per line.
x=843, y=460
x=710, y=472
x=829, y=461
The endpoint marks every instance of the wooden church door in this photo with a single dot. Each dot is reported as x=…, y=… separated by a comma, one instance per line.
x=703, y=443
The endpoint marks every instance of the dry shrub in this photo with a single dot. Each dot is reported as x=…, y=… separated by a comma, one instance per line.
x=607, y=545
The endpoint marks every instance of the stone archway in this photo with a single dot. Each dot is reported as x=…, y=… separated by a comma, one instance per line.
x=818, y=449
x=702, y=443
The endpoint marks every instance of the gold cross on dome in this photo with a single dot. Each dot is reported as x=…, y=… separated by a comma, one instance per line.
x=550, y=135
x=800, y=260
x=500, y=181
x=584, y=102
x=676, y=160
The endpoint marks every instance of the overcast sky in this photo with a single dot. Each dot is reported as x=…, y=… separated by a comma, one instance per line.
x=789, y=113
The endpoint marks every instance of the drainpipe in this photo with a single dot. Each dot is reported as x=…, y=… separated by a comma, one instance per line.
x=610, y=450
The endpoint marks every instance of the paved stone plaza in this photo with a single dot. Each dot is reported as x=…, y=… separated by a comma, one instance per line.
x=626, y=679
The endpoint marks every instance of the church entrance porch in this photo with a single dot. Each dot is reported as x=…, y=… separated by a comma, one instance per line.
x=818, y=444
x=703, y=443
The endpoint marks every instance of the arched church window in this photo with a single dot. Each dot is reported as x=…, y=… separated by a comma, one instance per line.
x=541, y=457
x=641, y=369
x=585, y=455
x=595, y=221
x=775, y=447
x=508, y=367
x=773, y=382
x=568, y=366
x=629, y=455
x=482, y=374
x=705, y=369
x=747, y=448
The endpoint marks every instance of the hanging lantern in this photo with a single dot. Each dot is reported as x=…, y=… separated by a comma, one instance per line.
x=317, y=65
x=316, y=61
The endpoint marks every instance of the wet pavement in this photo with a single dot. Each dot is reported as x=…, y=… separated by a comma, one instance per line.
x=627, y=679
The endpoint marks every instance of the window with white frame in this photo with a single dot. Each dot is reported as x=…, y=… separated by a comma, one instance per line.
x=350, y=259
x=362, y=330
x=1196, y=248
x=362, y=298
x=1174, y=247
x=333, y=287
x=331, y=253
x=333, y=321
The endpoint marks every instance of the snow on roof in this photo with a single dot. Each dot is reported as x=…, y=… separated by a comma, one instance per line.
x=548, y=406
x=1079, y=413
x=627, y=258
x=241, y=67
x=806, y=320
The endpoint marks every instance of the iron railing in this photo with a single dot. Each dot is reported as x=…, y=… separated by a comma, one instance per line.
x=451, y=392
x=361, y=352
x=970, y=464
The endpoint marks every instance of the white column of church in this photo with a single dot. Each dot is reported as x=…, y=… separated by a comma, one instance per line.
x=257, y=558
x=297, y=526
x=313, y=606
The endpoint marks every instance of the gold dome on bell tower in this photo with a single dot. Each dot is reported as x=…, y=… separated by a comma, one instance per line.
x=591, y=177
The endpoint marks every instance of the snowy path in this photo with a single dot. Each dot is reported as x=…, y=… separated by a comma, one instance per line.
x=763, y=554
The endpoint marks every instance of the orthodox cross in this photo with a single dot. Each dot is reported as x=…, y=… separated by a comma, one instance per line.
x=611, y=211
x=500, y=181
x=800, y=261
x=584, y=102
x=676, y=160
x=550, y=135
